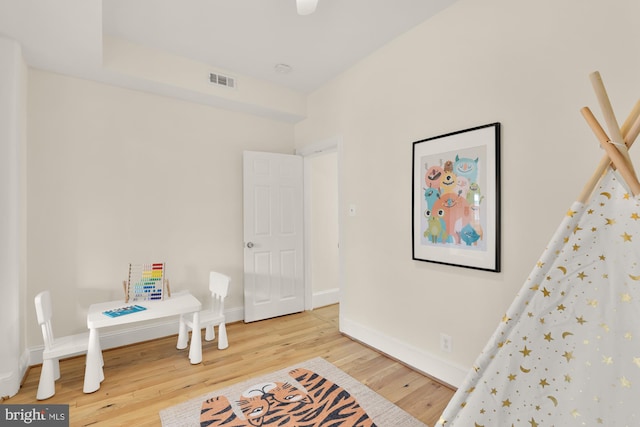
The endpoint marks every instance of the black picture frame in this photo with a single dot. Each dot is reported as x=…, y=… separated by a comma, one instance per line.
x=456, y=198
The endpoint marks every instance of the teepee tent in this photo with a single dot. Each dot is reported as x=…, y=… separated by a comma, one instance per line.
x=567, y=352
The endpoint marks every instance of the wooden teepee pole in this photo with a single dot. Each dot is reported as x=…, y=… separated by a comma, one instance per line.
x=631, y=128
x=630, y=131
x=616, y=156
x=632, y=121
x=625, y=135
x=609, y=116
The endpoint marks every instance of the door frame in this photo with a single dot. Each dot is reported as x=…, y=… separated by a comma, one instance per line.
x=308, y=152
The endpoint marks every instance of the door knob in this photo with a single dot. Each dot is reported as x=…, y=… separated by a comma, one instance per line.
x=250, y=245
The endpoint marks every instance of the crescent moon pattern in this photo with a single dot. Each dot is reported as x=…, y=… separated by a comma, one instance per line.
x=586, y=283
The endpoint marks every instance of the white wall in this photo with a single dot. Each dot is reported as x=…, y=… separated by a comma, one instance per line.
x=524, y=64
x=119, y=176
x=12, y=102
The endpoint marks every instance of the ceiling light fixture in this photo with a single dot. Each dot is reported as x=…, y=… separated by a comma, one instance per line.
x=306, y=7
x=283, y=68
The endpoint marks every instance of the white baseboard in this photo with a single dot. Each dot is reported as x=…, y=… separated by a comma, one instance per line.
x=9, y=383
x=328, y=297
x=136, y=332
x=10, y=380
x=428, y=363
x=24, y=363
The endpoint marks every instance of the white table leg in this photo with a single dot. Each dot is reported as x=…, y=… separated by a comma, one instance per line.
x=195, y=349
x=183, y=334
x=93, y=373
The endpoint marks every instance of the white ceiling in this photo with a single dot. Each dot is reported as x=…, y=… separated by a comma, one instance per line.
x=244, y=37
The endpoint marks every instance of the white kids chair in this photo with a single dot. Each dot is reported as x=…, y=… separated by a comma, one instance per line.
x=214, y=316
x=54, y=348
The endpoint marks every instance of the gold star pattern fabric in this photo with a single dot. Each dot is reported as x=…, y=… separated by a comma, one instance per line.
x=569, y=354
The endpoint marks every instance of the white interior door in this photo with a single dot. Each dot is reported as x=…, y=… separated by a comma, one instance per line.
x=273, y=235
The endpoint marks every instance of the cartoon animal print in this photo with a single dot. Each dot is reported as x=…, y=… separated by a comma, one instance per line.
x=430, y=196
x=255, y=404
x=333, y=405
x=472, y=232
x=464, y=166
x=456, y=214
x=287, y=393
x=436, y=228
x=462, y=186
x=469, y=235
x=432, y=177
x=217, y=411
x=448, y=183
x=474, y=196
x=282, y=404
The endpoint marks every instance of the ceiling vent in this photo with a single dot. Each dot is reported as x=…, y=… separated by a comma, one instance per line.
x=221, y=80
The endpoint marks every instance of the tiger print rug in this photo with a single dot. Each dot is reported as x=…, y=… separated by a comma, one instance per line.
x=313, y=393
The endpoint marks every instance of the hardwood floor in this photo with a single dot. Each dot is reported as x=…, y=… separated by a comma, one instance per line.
x=144, y=378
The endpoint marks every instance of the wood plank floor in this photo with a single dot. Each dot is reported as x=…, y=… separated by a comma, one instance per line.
x=144, y=378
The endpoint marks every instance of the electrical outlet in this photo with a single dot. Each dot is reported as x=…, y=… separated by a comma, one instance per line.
x=446, y=342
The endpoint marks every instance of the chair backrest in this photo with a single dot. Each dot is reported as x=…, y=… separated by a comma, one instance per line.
x=219, y=287
x=44, y=312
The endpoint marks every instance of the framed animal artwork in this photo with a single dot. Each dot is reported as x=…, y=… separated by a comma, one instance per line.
x=456, y=198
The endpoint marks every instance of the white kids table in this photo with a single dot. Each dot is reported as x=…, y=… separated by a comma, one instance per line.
x=181, y=303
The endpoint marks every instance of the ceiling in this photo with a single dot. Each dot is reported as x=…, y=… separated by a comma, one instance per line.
x=250, y=37
x=243, y=37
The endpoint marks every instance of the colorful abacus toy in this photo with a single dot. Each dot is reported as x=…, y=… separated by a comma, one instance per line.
x=146, y=282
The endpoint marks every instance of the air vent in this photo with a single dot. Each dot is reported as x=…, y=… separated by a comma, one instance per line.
x=221, y=80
